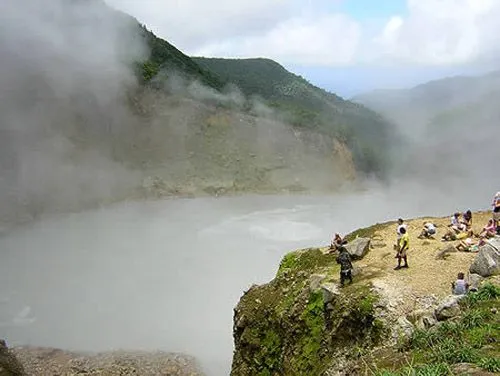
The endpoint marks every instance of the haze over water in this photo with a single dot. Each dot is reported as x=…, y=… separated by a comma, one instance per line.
x=167, y=275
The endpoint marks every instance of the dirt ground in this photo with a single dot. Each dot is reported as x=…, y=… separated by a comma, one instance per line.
x=426, y=279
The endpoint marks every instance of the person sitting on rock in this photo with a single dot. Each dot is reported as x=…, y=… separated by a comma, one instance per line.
x=404, y=245
x=337, y=242
x=460, y=286
x=428, y=231
x=489, y=230
x=344, y=259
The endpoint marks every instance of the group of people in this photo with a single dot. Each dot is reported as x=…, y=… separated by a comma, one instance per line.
x=460, y=228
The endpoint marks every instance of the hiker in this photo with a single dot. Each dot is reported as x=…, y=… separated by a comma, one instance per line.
x=344, y=259
x=460, y=286
x=337, y=242
x=401, y=225
x=489, y=230
x=404, y=244
x=428, y=231
x=496, y=210
x=457, y=229
x=467, y=220
x=456, y=223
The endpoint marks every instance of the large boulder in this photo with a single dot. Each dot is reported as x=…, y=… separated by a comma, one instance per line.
x=422, y=319
x=468, y=369
x=448, y=308
x=404, y=329
x=487, y=261
x=358, y=248
x=475, y=282
x=9, y=364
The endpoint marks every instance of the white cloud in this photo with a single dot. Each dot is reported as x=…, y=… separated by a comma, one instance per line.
x=312, y=33
x=308, y=40
x=287, y=30
x=194, y=23
x=441, y=32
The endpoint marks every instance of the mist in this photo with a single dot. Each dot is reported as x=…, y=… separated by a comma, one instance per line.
x=167, y=275
x=65, y=68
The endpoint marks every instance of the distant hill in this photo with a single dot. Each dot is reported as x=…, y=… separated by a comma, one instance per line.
x=421, y=104
x=450, y=125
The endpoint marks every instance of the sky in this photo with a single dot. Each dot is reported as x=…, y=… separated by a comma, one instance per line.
x=345, y=46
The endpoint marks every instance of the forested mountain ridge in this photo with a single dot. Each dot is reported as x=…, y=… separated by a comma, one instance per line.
x=307, y=106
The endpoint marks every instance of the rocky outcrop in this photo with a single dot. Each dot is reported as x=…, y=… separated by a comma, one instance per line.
x=422, y=319
x=9, y=364
x=448, y=308
x=467, y=369
x=487, y=261
x=301, y=323
x=358, y=248
x=49, y=362
x=475, y=281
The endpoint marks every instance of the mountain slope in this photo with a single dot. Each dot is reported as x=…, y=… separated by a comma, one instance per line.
x=426, y=101
x=165, y=57
x=79, y=129
x=449, y=126
x=304, y=105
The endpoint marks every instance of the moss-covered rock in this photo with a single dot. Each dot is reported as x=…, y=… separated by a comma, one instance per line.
x=286, y=327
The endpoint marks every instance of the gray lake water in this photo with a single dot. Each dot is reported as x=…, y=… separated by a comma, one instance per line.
x=167, y=275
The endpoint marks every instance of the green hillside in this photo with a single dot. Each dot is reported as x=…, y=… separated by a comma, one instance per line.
x=304, y=105
x=165, y=58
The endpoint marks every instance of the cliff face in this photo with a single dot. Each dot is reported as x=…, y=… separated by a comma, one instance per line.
x=387, y=322
x=299, y=323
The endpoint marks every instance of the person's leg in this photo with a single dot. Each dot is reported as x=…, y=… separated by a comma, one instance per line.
x=349, y=276
x=406, y=261
x=399, y=262
x=342, y=278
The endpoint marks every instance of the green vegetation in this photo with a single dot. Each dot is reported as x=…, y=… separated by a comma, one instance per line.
x=474, y=338
x=165, y=58
x=285, y=327
x=367, y=232
x=304, y=105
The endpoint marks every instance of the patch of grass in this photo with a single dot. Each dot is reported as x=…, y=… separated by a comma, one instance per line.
x=367, y=232
x=439, y=369
x=472, y=338
x=309, y=361
x=306, y=260
x=289, y=262
x=487, y=292
x=490, y=364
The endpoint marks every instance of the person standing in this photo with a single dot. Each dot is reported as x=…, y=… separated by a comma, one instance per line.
x=496, y=210
x=404, y=245
x=401, y=225
x=344, y=259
